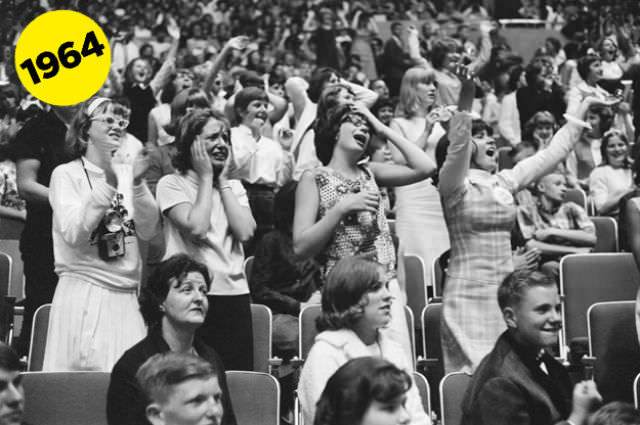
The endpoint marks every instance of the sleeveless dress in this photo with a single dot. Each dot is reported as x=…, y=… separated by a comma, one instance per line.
x=362, y=234
x=420, y=224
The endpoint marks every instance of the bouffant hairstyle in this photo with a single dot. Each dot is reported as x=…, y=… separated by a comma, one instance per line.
x=345, y=293
x=328, y=129
x=318, y=81
x=441, y=49
x=189, y=127
x=355, y=385
x=173, y=269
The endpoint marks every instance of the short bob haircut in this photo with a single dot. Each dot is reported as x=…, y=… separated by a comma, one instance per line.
x=318, y=81
x=584, y=65
x=77, y=137
x=175, y=268
x=355, y=386
x=328, y=129
x=161, y=372
x=345, y=293
x=245, y=96
x=606, y=116
x=512, y=288
x=606, y=138
x=189, y=127
x=441, y=49
x=409, y=100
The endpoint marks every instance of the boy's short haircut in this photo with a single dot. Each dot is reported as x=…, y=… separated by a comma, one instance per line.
x=514, y=285
x=161, y=372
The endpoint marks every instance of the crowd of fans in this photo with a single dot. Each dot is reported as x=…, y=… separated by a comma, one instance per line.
x=290, y=131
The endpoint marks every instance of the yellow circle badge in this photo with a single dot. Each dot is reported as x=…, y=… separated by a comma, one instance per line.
x=63, y=57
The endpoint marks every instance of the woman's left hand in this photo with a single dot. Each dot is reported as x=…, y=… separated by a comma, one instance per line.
x=141, y=164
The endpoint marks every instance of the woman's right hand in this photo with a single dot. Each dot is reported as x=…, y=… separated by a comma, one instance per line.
x=366, y=200
x=200, y=161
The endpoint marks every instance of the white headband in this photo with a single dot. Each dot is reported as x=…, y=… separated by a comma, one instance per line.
x=97, y=102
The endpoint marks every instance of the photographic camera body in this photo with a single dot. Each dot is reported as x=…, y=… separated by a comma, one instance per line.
x=110, y=234
x=111, y=245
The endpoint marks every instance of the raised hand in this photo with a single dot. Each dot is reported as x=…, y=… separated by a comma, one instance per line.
x=200, y=160
x=141, y=164
x=239, y=42
x=173, y=29
x=362, y=109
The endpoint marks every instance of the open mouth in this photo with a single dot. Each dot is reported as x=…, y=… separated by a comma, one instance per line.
x=219, y=153
x=262, y=116
x=491, y=152
x=361, y=138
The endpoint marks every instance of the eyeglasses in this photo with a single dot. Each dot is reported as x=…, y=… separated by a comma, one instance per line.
x=355, y=119
x=112, y=121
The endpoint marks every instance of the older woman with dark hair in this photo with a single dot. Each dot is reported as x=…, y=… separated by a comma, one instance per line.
x=174, y=305
x=208, y=217
x=356, y=309
x=101, y=208
x=365, y=391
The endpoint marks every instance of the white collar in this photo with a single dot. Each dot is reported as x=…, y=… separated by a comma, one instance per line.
x=90, y=166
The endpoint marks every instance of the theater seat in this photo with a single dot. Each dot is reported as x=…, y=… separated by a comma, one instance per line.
x=255, y=397
x=65, y=398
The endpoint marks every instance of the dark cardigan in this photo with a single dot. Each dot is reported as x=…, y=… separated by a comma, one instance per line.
x=126, y=402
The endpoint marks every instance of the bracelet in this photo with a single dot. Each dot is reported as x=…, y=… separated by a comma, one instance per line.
x=228, y=186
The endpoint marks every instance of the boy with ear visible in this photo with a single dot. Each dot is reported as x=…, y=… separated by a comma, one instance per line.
x=519, y=382
x=555, y=227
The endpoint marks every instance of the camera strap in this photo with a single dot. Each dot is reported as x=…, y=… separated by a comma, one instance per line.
x=86, y=173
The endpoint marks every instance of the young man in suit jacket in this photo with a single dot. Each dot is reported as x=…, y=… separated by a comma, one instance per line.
x=519, y=382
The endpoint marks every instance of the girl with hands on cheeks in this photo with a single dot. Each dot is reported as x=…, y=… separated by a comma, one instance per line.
x=208, y=217
x=100, y=209
x=338, y=209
